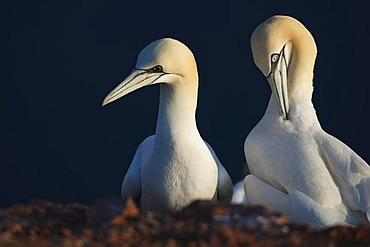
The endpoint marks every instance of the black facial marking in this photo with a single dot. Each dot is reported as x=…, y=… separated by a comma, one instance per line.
x=275, y=57
x=274, y=60
x=155, y=69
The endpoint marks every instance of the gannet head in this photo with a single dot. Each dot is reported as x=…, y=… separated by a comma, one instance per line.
x=285, y=51
x=162, y=61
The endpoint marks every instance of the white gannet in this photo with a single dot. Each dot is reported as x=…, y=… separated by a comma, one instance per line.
x=175, y=166
x=296, y=167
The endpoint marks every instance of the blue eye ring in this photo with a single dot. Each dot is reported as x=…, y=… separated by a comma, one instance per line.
x=275, y=57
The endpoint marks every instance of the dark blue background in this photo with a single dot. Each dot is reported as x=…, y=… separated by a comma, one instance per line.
x=60, y=58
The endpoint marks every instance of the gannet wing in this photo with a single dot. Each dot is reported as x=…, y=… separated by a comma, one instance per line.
x=349, y=170
x=131, y=185
x=297, y=206
x=261, y=193
x=224, y=184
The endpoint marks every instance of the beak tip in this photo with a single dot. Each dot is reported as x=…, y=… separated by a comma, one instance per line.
x=105, y=101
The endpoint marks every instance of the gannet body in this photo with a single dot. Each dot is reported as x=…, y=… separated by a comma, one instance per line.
x=296, y=167
x=175, y=166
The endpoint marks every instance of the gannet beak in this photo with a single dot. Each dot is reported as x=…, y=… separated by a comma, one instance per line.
x=278, y=81
x=137, y=79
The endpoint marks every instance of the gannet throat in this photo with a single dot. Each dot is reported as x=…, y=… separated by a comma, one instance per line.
x=278, y=81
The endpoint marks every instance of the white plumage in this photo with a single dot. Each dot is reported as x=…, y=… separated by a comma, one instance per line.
x=175, y=166
x=296, y=167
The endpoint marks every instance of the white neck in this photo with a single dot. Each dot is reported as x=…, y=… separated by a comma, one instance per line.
x=176, y=116
x=301, y=110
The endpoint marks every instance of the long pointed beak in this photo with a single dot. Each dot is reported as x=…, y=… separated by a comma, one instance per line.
x=278, y=80
x=137, y=79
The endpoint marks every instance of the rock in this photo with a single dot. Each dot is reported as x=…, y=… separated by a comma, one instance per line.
x=203, y=223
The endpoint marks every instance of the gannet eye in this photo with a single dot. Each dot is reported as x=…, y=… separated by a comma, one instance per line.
x=274, y=58
x=157, y=69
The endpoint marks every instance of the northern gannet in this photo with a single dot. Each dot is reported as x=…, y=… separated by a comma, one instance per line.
x=296, y=167
x=175, y=166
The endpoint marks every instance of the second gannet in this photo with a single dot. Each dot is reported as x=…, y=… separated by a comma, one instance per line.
x=296, y=167
x=175, y=166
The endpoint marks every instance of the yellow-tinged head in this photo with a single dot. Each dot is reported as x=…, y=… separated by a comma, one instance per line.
x=162, y=61
x=285, y=51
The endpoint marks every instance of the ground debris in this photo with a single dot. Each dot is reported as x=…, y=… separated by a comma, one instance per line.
x=203, y=223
